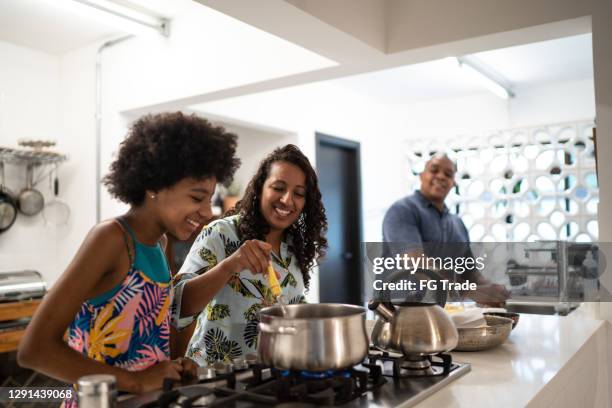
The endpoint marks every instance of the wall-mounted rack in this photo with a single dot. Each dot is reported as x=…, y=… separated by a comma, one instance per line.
x=30, y=157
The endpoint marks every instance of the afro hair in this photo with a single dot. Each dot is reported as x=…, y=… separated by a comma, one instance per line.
x=161, y=150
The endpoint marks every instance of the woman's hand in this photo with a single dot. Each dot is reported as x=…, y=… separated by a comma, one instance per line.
x=253, y=255
x=153, y=377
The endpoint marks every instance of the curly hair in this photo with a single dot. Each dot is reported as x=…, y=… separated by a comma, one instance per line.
x=308, y=232
x=161, y=150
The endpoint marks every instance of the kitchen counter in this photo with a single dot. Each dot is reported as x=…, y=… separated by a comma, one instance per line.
x=548, y=361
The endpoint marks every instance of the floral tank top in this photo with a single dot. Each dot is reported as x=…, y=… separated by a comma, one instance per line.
x=130, y=328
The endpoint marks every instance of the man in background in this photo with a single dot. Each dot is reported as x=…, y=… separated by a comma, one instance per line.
x=422, y=224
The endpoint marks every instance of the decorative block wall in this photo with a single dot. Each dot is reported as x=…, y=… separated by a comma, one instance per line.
x=524, y=184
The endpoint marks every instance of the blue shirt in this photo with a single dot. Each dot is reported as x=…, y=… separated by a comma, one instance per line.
x=416, y=220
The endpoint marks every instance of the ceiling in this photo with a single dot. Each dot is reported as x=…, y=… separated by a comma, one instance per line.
x=39, y=25
x=42, y=26
x=540, y=63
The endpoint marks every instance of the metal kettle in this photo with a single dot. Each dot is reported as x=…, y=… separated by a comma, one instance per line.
x=413, y=328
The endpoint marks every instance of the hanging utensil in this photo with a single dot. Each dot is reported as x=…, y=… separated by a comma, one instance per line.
x=57, y=211
x=31, y=201
x=8, y=205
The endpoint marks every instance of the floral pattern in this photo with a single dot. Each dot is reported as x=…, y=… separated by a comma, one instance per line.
x=131, y=330
x=228, y=328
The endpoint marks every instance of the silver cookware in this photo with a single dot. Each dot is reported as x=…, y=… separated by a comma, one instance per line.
x=31, y=201
x=8, y=204
x=97, y=391
x=493, y=334
x=413, y=329
x=313, y=337
x=21, y=285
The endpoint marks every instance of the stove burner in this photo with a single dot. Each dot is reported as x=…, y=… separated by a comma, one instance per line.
x=401, y=366
x=323, y=388
x=265, y=386
x=323, y=374
x=260, y=386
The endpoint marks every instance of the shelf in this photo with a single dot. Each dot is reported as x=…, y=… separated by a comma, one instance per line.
x=33, y=157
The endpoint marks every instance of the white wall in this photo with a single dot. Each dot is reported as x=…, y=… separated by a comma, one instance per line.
x=77, y=114
x=553, y=103
x=29, y=109
x=253, y=145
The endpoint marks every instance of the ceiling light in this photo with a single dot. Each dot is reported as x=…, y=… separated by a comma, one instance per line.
x=115, y=15
x=486, y=79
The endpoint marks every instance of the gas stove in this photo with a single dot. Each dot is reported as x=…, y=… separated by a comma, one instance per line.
x=382, y=380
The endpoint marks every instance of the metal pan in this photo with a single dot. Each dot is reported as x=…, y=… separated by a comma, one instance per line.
x=30, y=200
x=8, y=204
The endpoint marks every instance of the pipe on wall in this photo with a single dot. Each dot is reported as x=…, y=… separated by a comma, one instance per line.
x=98, y=114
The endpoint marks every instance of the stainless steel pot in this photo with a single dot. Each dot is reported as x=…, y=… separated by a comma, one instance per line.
x=413, y=328
x=313, y=337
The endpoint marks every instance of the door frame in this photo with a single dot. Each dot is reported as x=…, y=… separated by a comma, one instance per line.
x=321, y=139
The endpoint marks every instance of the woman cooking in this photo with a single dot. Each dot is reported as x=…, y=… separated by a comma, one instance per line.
x=280, y=218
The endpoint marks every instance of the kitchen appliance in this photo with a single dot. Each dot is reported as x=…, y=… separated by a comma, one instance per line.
x=372, y=382
x=313, y=337
x=21, y=285
x=413, y=329
x=553, y=278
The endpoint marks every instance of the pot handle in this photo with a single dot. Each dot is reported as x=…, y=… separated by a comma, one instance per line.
x=266, y=328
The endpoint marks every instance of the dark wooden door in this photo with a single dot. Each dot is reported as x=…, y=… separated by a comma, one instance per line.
x=340, y=275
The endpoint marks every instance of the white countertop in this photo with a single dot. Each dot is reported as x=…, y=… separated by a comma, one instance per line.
x=512, y=374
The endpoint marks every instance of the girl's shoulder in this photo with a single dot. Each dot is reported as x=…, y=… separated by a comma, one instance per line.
x=107, y=234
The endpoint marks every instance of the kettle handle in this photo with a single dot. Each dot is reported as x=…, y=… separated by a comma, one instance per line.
x=385, y=311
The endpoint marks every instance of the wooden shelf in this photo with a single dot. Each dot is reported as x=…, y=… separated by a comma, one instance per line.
x=9, y=339
x=18, y=310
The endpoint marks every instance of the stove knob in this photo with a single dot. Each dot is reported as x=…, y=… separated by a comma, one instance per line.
x=240, y=363
x=251, y=358
x=223, y=368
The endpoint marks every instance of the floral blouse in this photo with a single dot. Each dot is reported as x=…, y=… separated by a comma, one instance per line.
x=227, y=328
